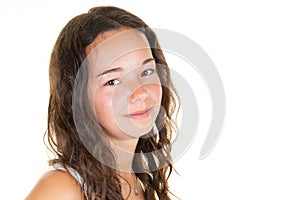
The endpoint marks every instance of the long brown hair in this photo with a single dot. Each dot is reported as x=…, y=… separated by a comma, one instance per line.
x=102, y=181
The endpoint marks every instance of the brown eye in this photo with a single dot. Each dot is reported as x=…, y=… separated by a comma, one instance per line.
x=112, y=82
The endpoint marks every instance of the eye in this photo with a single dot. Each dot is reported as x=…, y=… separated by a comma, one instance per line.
x=147, y=72
x=112, y=82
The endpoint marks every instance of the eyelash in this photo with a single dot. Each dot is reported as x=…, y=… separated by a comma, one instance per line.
x=111, y=82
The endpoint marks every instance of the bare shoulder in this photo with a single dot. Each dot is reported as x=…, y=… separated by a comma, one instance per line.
x=56, y=184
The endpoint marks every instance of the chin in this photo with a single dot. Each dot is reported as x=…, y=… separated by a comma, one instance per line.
x=137, y=130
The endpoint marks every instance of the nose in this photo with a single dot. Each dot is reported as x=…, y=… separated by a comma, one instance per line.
x=139, y=95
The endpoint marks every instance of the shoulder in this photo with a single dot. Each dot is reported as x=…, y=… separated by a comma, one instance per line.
x=56, y=184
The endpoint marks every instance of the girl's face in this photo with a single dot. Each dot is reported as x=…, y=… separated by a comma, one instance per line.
x=124, y=87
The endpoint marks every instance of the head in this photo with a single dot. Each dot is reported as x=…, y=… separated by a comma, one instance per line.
x=109, y=80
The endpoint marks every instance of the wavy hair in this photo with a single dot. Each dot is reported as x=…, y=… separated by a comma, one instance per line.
x=64, y=139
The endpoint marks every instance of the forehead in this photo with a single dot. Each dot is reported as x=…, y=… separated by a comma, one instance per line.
x=111, y=45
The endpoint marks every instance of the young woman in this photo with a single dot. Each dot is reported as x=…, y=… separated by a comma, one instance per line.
x=110, y=111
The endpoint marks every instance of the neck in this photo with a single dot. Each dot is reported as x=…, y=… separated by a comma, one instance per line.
x=124, y=152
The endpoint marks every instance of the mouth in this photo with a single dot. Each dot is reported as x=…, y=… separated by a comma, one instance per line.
x=140, y=114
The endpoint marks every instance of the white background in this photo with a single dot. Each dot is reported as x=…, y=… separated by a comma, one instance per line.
x=255, y=46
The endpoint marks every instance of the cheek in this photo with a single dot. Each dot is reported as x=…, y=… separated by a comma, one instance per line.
x=103, y=105
x=108, y=106
x=155, y=91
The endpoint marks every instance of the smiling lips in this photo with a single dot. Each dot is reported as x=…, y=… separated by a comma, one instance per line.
x=140, y=114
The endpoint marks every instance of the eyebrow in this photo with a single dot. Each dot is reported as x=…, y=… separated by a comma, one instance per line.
x=117, y=69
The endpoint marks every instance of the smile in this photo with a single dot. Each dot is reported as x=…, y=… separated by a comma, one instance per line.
x=140, y=114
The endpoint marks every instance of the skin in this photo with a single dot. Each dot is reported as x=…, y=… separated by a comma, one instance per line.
x=125, y=91
x=56, y=184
